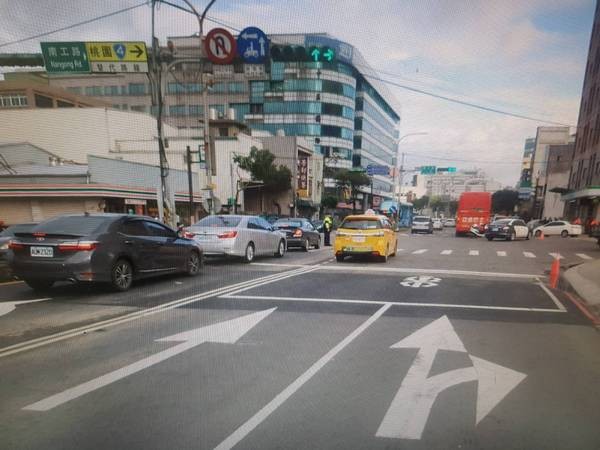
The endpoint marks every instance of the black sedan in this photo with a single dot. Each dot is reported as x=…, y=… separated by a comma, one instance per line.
x=108, y=248
x=299, y=233
x=508, y=229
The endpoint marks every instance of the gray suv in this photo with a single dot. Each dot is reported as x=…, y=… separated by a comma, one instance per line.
x=422, y=224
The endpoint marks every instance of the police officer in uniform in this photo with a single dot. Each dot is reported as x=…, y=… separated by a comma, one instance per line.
x=327, y=227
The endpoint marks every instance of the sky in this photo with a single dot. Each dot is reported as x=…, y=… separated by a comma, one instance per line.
x=527, y=57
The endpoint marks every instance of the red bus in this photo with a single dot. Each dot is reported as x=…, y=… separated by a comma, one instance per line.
x=474, y=208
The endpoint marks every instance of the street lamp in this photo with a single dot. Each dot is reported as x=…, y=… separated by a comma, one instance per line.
x=400, y=170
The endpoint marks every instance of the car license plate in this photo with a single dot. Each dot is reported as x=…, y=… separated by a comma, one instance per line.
x=43, y=252
x=203, y=237
x=495, y=229
x=358, y=239
x=357, y=249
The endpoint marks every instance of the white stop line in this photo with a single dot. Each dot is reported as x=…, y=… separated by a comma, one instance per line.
x=420, y=281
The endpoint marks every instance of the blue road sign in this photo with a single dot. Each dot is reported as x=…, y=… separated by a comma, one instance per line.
x=120, y=50
x=253, y=45
x=377, y=170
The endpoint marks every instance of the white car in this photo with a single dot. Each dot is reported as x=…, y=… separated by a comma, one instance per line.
x=437, y=224
x=558, y=228
x=450, y=223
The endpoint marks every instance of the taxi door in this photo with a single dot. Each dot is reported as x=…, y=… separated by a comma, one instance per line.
x=390, y=235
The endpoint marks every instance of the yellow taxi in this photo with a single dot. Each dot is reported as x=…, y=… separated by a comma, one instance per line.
x=365, y=234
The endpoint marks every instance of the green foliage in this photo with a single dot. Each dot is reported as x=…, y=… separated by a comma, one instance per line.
x=260, y=164
x=504, y=201
x=329, y=202
x=436, y=203
x=421, y=203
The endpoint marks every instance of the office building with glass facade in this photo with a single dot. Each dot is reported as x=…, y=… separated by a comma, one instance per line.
x=350, y=118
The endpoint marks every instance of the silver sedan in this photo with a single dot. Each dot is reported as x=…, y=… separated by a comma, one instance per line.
x=243, y=236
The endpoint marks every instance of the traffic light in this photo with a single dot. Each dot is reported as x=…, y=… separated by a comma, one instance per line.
x=299, y=53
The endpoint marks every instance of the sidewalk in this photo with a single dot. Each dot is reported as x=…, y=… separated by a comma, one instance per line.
x=584, y=280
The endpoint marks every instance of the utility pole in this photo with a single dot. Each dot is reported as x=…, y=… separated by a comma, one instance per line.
x=190, y=185
x=401, y=179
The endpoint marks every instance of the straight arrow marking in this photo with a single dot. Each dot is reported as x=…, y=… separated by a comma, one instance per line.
x=227, y=332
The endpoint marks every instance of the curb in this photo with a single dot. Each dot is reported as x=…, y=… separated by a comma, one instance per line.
x=588, y=311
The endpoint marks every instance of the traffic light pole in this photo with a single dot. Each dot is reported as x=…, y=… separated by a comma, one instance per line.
x=190, y=185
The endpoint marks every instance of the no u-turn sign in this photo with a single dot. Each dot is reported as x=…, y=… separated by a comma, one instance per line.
x=220, y=46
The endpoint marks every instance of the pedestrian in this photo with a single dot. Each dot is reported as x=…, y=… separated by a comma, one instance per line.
x=327, y=227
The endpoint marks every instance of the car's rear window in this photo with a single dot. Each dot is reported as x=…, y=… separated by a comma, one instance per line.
x=502, y=222
x=361, y=224
x=72, y=225
x=219, y=221
x=421, y=219
x=20, y=228
x=288, y=223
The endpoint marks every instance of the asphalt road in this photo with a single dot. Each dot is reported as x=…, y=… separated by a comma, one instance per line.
x=454, y=346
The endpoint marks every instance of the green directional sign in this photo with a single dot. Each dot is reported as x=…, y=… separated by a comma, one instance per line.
x=315, y=53
x=328, y=54
x=65, y=57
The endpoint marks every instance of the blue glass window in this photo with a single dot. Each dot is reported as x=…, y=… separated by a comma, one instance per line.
x=137, y=89
x=177, y=110
x=195, y=110
x=237, y=87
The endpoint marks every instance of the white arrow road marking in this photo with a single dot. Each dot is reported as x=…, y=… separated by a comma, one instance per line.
x=446, y=252
x=8, y=307
x=234, y=438
x=410, y=408
x=583, y=256
x=528, y=255
x=227, y=332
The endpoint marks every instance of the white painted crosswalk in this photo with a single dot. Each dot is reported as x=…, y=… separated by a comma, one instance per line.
x=499, y=253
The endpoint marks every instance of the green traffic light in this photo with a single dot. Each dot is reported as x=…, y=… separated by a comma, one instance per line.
x=328, y=54
x=315, y=53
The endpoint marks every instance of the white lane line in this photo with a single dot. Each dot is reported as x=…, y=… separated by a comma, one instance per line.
x=364, y=268
x=583, y=256
x=501, y=253
x=556, y=301
x=8, y=307
x=556, y=255
x=234, y=438
x=420, y=251
x=473, y=252
x=446, y=252
x=38, y=342
x=279, y=264
x=528, y=255
x=378, y=302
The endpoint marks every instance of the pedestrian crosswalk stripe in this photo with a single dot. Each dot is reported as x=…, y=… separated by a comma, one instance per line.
x=446, y=252
x=418, y=252
x=501, y=253
x=473, y=252
x=583, y=256
x=528, y=255
x=399, y=249
x=556, y=255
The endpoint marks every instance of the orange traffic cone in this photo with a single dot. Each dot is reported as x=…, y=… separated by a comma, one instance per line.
x=554, y=273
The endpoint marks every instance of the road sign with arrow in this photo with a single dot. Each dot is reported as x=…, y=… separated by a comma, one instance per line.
x=113, y=57
x=220, y=46
x=253, y=45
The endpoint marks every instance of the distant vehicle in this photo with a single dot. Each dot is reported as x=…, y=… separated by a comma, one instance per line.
x=437, y=224
x=299, y=232
x=450, y=222
x=422, y=224
x=365, y=235
x=5, y=236
x=243, y=236
x=107, y=248
x=508, y=229
x=498, y=217
x=318, y=224
x=558, y=228
x=474, y=208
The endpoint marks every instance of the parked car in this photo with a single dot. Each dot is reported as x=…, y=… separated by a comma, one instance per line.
x=108, y=248
x=558, y=228
x=437, y=224
x=232, y=235
x=422, y=224
x=318, y=224
x=299, y=232
x=508, y=229
x=5, y=236
x=450, y=222
x=533, y=224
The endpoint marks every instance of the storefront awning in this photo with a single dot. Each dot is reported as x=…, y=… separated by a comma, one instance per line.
x=590, y=192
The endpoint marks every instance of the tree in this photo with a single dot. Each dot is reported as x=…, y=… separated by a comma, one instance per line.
x=329, y=202
x=260, y=164
x=436, y=203
x=504, y=201
x=421, y=203
x=352, y=180
x=453, y=207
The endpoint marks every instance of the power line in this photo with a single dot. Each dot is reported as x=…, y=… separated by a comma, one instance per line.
x=469, y=104
x=74, y=25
